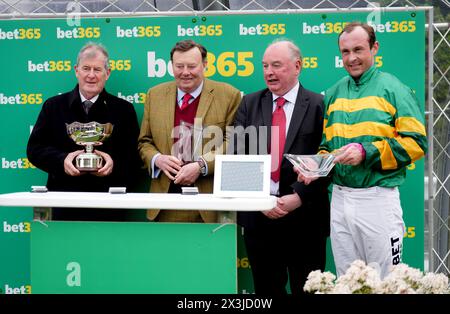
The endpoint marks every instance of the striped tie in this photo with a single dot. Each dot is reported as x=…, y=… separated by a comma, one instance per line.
x=87, y=104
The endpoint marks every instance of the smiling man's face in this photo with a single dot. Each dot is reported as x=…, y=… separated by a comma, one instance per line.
x=188, y=69
x=92, y=73
x=357, y=55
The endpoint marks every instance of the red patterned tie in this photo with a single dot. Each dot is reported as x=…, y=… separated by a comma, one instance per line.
x=277, y=140
x=185, y=102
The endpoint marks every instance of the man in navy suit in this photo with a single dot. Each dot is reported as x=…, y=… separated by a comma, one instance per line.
x=52, y=150
x=288, y=241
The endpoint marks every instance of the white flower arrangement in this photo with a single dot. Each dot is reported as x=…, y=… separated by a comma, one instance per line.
x=363, y=279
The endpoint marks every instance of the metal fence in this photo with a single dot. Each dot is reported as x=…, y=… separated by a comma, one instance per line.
x=437, y=190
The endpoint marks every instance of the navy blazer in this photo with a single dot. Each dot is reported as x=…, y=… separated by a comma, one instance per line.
x=49, y=142
x=303, y=137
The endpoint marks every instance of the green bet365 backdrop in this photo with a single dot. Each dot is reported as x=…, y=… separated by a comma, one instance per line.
x=37, y=59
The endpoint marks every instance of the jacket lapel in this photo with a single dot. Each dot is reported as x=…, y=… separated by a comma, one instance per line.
x=169, y=103
x=266, y=109
x=300, y=108
x=206, y=98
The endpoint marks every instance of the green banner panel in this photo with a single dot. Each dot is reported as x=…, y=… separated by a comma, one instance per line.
x=39, y=56
x=74, y=257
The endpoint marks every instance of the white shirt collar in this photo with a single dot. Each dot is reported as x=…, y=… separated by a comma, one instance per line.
x=93, y=99
x=290, y=96
x=195, y=93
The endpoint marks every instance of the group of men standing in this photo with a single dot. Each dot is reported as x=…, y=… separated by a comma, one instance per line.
x=287, y=242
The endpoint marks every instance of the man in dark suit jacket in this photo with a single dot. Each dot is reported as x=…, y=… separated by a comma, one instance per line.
x=288, y=241
x=52, y=150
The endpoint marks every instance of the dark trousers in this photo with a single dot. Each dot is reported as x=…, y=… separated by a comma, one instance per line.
x=178, y=215
x=89, y=214
x=282, y=251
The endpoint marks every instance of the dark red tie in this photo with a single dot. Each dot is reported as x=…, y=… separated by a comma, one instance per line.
x=185, y=102
x=277, y=140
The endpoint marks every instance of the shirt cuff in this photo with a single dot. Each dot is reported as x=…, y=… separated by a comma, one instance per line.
x=206, y=166
x=155, y=170
x=360, y=148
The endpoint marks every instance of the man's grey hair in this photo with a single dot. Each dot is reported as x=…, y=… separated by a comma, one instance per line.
x=293, y=48
x=93, y=48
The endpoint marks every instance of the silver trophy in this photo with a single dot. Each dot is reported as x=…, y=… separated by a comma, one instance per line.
x=188, y=142
x=89, y=135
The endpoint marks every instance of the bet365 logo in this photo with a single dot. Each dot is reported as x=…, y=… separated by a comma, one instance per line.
x=20, y=227
x=20, y=163
x=16, y=290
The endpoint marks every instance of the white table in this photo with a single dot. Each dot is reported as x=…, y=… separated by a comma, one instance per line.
x=43, y=201
x=81, y=242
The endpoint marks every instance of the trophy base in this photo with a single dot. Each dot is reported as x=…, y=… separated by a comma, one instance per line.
x=88, y=162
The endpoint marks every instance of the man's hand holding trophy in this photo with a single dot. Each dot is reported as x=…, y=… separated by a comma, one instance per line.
x=88, y=135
